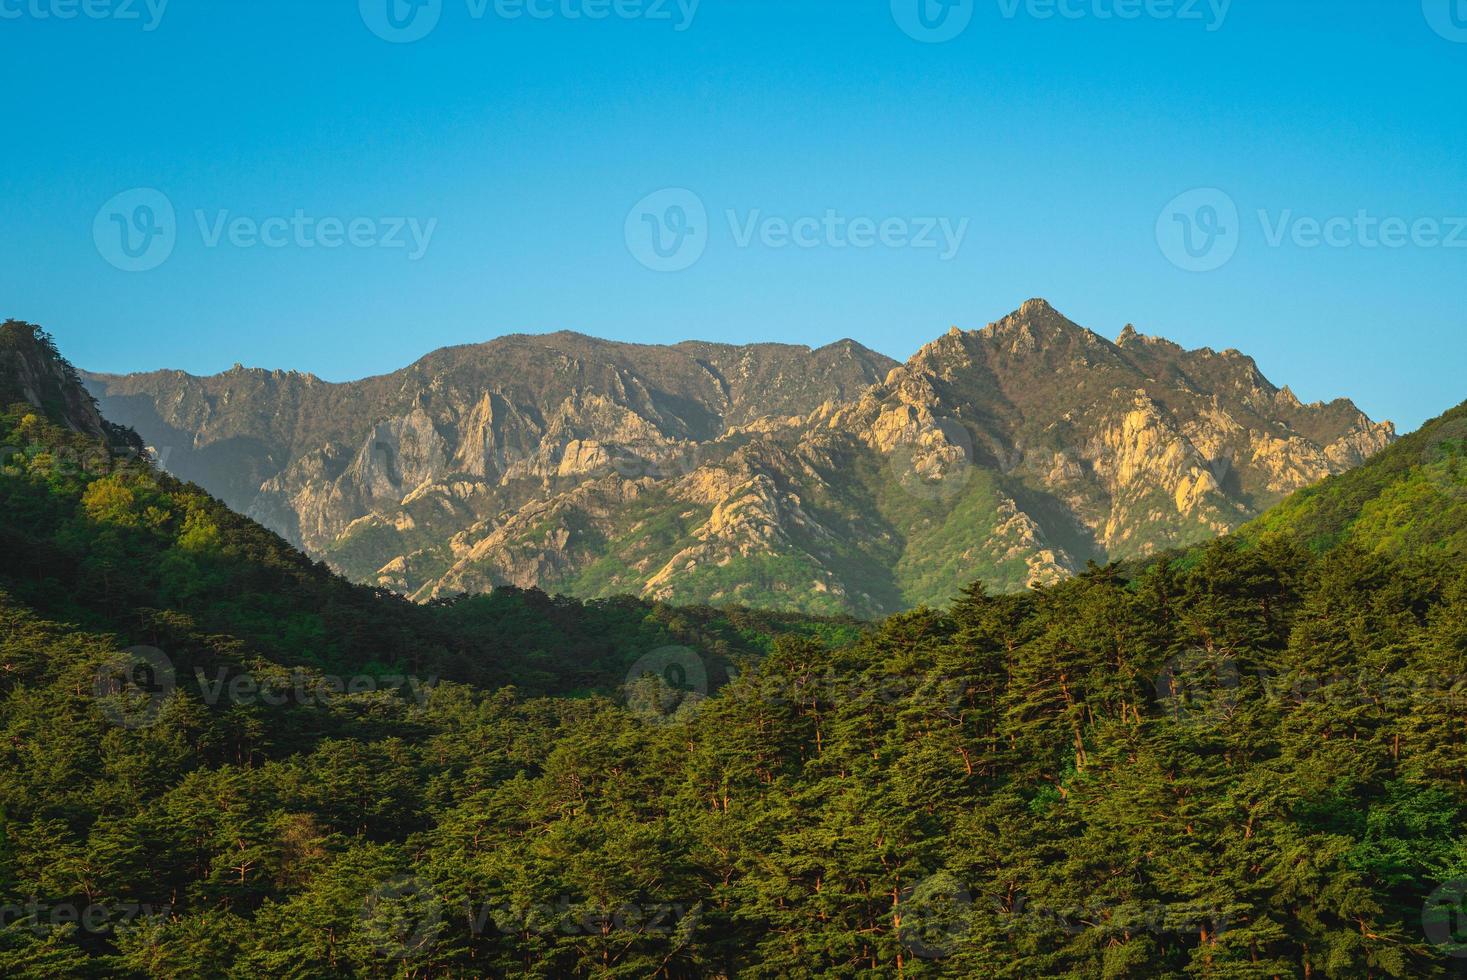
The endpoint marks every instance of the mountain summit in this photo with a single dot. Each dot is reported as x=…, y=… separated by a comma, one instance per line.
x=830, y=480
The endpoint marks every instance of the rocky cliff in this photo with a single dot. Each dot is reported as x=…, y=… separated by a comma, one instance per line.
x=830, y=480
x=33, y=373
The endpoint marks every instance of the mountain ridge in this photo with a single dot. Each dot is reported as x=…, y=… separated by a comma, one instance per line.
x=830, y=480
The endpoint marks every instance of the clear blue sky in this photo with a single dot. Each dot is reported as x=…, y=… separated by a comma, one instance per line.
x=1060, y=140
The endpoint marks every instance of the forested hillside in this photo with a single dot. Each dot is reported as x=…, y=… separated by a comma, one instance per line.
x=217, y=759
x=1410, y=500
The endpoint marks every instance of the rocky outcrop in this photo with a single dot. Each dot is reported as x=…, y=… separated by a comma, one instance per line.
x=832, y=480
x=33, y=373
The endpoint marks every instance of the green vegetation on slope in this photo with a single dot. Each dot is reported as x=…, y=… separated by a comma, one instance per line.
x=1411, y=499
x=1252, y=769
x=105, y=541
x=1249, y=767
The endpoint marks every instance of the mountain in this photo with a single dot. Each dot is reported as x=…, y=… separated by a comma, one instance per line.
x=96, y=536
x=219, y=759
x=832, y=481
x=1409, y=500
x=33, y=373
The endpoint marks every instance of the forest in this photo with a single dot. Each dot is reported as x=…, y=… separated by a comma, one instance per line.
x=219, y=759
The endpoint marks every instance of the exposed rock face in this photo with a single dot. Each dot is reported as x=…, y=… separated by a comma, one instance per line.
x=33, y=373
x=834, y=480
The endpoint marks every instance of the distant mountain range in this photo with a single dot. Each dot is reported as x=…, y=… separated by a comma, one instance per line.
x=200, y=720
x=827, y=481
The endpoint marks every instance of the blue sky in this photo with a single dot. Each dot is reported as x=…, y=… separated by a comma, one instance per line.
x=494, y=176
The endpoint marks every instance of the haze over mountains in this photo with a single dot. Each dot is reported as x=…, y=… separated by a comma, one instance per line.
x=832, y=480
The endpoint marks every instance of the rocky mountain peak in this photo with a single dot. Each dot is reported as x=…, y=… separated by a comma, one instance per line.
x=1035, y=325
x=829, y=480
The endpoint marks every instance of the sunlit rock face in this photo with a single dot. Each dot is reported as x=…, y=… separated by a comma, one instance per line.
x=832, y=480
